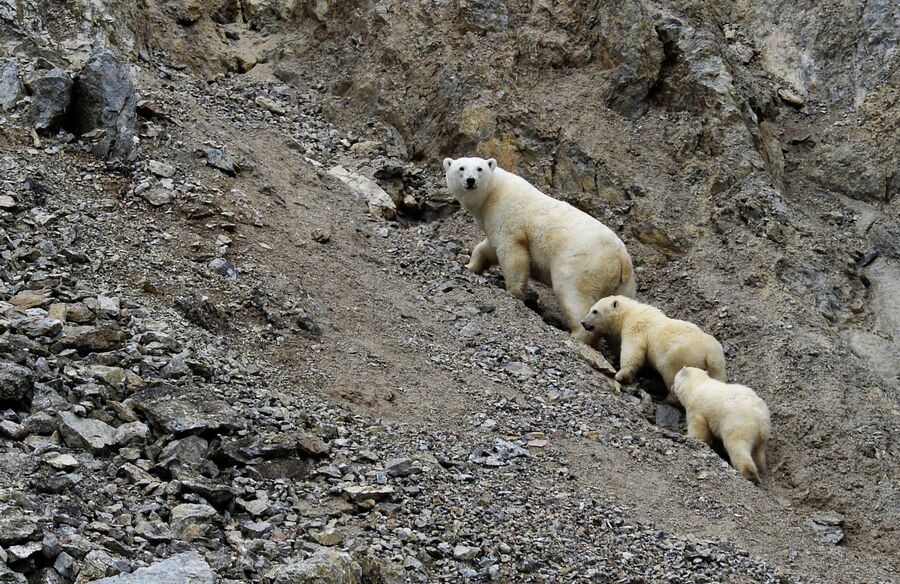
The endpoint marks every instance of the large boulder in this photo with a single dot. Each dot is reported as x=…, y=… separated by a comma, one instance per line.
x=186, y=568
x=326, y=566
x=51, y=95
x=103, y=98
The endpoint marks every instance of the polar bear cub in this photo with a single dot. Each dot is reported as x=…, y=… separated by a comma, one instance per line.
x=730, y=412
x=644, y=334
x=530, y=234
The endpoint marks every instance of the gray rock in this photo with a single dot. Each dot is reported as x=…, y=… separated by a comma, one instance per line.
x=15, y=382
x=36, y=324
x=40, y=423
x=161, y=169
x=215, y=492
x=60, y=461
x=24, y=551
x=10, y=429
x=379, y=202
x=190, y=521
x=828, y=527
x=158, y=196
x=10, y=87
x=15, y=526
x=401, y=467
x=375, y=493
x=98, y=340
x=325, y=566
x=109, y=305
x=243, y=450
x=8, y=576
x=93, y=435
x=668, y=417
x=65, y=565
x=132, y=433
x=197, y=413
x=217, y=158
x=51, y=95
x=154, y=531
x=96, y=564
x=103, y=98
x=190, y=450
x=48, y=576
x=466, y=553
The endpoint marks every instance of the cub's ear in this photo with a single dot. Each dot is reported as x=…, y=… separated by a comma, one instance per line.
x=492, y=163
x=447, y=163
x=615, y=303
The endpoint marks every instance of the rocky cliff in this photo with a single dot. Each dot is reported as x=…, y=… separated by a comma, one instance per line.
x=237, y=343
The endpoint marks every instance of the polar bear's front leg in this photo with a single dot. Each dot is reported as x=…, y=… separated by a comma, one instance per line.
x=483, y=257
x=630, y=359
x=698, y=428
x=516, y=266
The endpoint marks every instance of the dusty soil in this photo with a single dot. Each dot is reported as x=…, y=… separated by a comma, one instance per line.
x=381, y=332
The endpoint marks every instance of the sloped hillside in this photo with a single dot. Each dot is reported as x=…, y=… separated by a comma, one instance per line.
x=237, y=342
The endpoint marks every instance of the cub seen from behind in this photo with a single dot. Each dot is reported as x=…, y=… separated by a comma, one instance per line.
x=732, y=413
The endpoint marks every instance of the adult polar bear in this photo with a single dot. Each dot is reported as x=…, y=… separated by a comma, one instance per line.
x=530, y=234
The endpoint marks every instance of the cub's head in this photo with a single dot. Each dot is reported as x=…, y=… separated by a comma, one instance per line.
x=602, y=313
x=469, y=175
x=685, y=379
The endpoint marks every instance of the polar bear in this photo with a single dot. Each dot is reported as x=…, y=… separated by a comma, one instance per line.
x=730, y=412
x=644, y=334
x=530, y=234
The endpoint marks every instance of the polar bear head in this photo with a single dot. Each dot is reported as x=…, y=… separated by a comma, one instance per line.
x=603, y=314
x=685, y=379
x=469, y=176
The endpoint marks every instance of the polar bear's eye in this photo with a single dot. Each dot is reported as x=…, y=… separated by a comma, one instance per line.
x=594, y=312
x=462, y=168
x=479, y=169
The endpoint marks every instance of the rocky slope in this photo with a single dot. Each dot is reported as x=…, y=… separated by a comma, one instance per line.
x=237, y=342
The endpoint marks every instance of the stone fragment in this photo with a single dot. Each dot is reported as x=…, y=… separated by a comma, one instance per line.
x=379, y=202
x=10, y=86
x=86, y=433
x=191, y=521
x=325, y=566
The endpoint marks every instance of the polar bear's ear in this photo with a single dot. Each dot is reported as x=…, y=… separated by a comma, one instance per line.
x=492, y=164
x=447, y=163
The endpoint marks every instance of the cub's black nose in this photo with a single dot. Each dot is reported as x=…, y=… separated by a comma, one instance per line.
x=470, y=182
x=587, y=327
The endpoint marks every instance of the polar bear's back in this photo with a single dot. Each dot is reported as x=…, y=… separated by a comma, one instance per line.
x=549, y=220
x=730, y=406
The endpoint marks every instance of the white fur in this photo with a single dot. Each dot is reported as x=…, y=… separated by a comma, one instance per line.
x=530, y=234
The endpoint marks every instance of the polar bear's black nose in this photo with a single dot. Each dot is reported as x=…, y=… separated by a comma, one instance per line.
x=470, y=182
x=587, y=327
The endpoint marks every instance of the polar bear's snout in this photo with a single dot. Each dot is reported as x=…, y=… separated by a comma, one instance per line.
x=587, y=327
x=471, y=183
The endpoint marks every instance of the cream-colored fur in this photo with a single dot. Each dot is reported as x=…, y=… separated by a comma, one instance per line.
x=532, y=235
x=732, y=413
x=645, y=334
